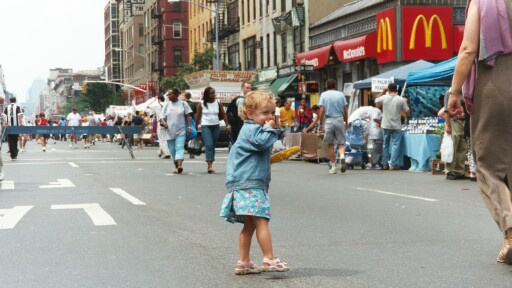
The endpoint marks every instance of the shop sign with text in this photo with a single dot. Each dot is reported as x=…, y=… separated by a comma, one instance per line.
x=427, y=33
x=386, y=39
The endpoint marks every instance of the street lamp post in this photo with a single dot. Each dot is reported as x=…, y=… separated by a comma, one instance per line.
x=217, y=65
x=145, y=68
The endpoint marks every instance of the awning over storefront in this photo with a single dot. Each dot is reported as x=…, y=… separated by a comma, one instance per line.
x=399, y=74
x=289, y=87
x=262, y=84
x=283, y=86
x=357, y=48
x=318, y=57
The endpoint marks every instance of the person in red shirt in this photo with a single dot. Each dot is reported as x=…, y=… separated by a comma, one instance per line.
x=43, y=122
x=304, y=115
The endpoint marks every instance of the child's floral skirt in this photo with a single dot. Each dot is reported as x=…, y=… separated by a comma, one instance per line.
x=253, y=201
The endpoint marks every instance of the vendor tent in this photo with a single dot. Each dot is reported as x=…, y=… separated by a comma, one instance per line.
x=399, y=74
x=424, y=88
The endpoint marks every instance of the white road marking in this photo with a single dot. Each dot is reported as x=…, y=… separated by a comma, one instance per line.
x=399, y=195
x=7, y=185
x=10, y=217
x=98, y=216
x=72, y=164
x=127, y=196
x=61, y=183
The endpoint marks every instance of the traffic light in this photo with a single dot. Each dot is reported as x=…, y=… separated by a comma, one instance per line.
x=312, y=87
x=84, y=88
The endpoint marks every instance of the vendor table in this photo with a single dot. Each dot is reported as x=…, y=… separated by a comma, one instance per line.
x=420, y=148
x=313, y=148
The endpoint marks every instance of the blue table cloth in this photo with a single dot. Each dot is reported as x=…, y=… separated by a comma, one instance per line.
x=420, y=148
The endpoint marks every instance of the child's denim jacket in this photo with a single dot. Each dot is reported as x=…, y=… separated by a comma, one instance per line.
x=249, y=158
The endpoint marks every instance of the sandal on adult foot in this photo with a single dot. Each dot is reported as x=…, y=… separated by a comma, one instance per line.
x=244, y=268
x=275, y=265
x=175, y=171
x=180, y=169
x=211, y=171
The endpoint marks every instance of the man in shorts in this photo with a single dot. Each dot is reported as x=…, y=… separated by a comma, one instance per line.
x=333, y=120
x=73, y=119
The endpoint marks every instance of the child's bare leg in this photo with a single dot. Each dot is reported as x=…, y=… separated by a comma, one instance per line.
x=264, y=237
x=246, y=237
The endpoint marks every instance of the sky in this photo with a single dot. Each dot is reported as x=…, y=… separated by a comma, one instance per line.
x=38, y=35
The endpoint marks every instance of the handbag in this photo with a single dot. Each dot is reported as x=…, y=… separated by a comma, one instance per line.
x=193, y=130
x=195, y=147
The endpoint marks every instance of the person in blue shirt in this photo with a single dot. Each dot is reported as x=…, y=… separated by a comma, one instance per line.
x=247, y=182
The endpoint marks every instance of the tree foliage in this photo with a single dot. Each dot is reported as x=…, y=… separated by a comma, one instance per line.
x=99, y=97
x=202, y=61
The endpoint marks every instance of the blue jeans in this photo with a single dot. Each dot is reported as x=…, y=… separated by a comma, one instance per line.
x=177, y=148
x=210, y=136
x=391, y=147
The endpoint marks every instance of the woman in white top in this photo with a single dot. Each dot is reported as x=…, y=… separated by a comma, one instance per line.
x=208, y=114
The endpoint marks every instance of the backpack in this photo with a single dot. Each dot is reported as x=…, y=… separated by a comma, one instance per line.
x=232, y=113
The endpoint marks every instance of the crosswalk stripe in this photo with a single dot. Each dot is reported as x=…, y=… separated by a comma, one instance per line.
x=127, y=196
x=7, y=185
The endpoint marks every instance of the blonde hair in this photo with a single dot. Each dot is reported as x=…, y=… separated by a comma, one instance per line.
x=255, y=100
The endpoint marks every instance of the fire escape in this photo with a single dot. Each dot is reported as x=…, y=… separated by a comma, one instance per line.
x=157, y=41
x=228, y=25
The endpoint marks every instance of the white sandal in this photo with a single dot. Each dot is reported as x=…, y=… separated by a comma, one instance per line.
x=243, y=268
x=275, y=265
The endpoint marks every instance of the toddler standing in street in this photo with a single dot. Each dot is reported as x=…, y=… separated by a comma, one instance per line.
x=247, y=181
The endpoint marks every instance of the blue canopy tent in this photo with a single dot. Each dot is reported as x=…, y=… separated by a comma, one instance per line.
x=424, y=88
x=399, y=74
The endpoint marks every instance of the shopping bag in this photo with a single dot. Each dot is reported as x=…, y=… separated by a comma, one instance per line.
x=193, y=131
x=195, y=147
x=447, y=148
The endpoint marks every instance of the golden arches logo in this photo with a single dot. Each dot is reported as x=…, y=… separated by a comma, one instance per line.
x=384, y=36
x=428, y=31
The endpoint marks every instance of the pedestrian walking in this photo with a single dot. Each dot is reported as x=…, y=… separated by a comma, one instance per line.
x=73, y=119
x=208, y=114
x=174, y=116
x=13, y=114
x=333, y=120
x=488, y=40
x=247, y=182
x=62, y=123
x=2, y=123
x=156, y=105
x=43, y=137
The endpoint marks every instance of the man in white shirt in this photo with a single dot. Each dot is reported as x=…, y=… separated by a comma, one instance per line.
x=156, y=105
x=73, y=119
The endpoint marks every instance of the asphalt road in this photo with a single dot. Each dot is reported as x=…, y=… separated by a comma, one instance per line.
x=96, y=218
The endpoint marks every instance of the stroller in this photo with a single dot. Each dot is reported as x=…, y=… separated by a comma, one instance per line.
x=356, y=148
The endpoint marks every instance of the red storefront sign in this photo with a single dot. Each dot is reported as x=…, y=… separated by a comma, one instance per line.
x=427, y=32
x=318, y=58
x=357, y=48
x=386, y=38
x=458, y=35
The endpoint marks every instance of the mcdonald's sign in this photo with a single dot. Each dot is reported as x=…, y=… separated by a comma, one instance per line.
x=386, y=48
x=427, y=33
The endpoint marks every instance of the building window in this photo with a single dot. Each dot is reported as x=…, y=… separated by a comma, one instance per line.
x=284, y=52
x=254, y=9
x=268, y=49
x=233, y=14
x=298, y=40
x=261, y=8
x=262, y=63
x=275, y=48
x=243, y=16
x=234, y=56
x=274, y=5
x=248, y=11
x=176, y=29
x=283, y=6
x=141, y=30
x=178, y=56
x=250, y=53
x=176, y=6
